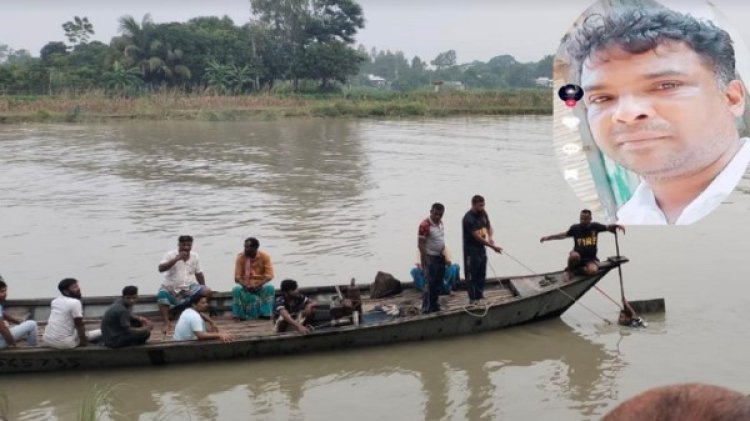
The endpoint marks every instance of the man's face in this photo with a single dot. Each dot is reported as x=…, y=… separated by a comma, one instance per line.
x=3, y=294
x=129, y=300
x=293, y=294
x=662, y=113
x=477, y=207
x=74, y=291
x=185, y=246
x=436, y=215
x=250, y=249
x=585, y=218
x=202, y=304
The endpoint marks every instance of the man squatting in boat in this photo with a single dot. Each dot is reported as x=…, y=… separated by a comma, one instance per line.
x=585, y=235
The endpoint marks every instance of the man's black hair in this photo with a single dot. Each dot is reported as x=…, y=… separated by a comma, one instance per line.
x=640, y=30
x=2, y=283
x=438, y=207
x=288, y=285
x=253, y=242
x=477, y=199
x=130, y=290
x=586, y=211
x=185, y=239
x=66, y=283
x=195, y=298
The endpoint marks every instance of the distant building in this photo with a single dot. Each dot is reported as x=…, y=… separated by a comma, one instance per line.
x=544, y=81
x=376, y=81
x=451, y=85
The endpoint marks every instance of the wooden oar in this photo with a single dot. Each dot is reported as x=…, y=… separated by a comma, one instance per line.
x=654, y=305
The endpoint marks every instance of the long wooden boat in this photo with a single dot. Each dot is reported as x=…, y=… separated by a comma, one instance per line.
x=510, y=301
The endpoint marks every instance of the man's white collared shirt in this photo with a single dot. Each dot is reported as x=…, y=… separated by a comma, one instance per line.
x=642, y=208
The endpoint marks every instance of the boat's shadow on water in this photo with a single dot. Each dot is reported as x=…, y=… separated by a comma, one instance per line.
x=481, y=376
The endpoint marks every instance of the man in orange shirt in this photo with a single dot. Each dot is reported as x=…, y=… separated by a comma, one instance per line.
x=253, y=295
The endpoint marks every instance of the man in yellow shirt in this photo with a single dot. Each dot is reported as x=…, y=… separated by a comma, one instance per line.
x=253, y=295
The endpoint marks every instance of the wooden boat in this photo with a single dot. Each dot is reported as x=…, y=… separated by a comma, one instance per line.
x=509, y=301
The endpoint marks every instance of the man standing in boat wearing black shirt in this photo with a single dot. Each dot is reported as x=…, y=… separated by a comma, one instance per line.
x=477, y=234
x=585, y=237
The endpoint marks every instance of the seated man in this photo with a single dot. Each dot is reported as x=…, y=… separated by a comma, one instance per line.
x=183, y=279
x=23, y=331
x=194, y=324
x=292, y=308
x=451, y=278
x=65, y=328
x=253, y=295
x=120, y=327
x=585, y=237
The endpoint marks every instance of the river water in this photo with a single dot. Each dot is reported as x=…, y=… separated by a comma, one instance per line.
x=335, y=199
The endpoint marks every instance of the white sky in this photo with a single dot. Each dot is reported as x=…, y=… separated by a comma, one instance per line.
x=476, y=29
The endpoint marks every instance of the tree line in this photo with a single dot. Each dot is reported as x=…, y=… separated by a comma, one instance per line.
x=294, y=44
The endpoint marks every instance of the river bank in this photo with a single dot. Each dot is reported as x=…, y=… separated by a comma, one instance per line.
x=97, y=107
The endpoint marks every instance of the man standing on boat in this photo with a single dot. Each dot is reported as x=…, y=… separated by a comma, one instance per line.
x=431, y=243
x=26, y=330
x=120, y=327
x=585, y=235
x=252, y=297
x=183, y=279
x=65, y=328
x=477, y=234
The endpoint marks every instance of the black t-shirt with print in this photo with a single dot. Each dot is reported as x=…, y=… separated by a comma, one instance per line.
x=472, y=222
x=584, y=239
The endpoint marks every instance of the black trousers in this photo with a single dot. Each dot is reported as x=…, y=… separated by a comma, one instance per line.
x=475, y=272
x=434, y=268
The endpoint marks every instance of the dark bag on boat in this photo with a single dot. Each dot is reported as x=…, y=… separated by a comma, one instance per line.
x=385, y=284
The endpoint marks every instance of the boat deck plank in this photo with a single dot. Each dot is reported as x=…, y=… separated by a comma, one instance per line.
x=409, y=298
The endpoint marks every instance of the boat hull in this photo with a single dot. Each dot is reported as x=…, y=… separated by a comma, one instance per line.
x=529, y=304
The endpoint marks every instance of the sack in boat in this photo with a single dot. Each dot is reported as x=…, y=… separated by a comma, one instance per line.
x=385, y=285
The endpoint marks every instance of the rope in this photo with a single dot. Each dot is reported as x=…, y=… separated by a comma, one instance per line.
x=558, y=289
x=610, y=298
x=477, y=315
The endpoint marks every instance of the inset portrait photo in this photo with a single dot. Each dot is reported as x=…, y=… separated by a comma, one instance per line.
x=658, y=136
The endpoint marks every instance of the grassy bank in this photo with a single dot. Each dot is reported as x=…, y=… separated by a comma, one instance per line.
x=96, y=106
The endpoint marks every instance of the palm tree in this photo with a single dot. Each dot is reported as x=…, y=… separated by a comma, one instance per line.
x=217, y=77
x=121, y=79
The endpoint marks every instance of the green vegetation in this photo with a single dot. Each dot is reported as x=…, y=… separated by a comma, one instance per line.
x=176, y=105
x=295, y=57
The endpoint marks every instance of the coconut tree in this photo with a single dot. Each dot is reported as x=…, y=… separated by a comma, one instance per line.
x=121, y=79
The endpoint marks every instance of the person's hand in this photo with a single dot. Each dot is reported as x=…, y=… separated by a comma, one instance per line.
x=543, y=239
x=620, y=227
x=302, y=329
x=183, y=255
x=226, y=337
x=497, y=249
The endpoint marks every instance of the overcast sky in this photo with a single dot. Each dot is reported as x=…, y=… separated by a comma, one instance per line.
x=476, y=29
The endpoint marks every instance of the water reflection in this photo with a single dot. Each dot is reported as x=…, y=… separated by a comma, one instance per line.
x=477, y=377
